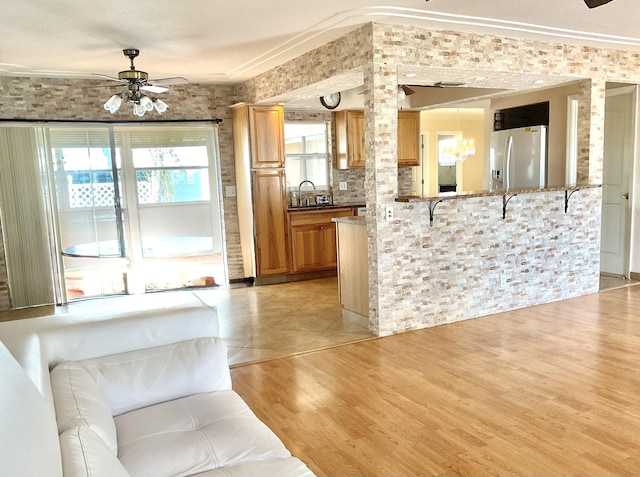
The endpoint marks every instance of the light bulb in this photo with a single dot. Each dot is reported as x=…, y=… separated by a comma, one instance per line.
x=138, y=109
x=160, y=105
x=146, y=103
x=113, y=103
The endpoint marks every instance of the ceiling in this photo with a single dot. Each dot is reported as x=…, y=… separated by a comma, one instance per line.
x=210, y=42
x=229, y=42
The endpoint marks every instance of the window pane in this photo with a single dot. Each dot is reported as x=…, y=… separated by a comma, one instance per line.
x=184, y=156
x=172, y=185
x=306, y=154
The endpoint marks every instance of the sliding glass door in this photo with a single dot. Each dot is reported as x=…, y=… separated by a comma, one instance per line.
x=88, y=184
x=134, y=209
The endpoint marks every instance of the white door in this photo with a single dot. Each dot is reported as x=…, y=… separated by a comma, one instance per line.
x=618, y=156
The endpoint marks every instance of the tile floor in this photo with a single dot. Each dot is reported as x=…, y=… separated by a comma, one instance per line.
x=272, y=321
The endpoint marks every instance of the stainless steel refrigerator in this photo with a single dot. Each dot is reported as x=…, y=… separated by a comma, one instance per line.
x=518, y=158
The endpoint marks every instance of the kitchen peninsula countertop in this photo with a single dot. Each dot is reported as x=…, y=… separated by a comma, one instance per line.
x=355, y=220
x=493, y=192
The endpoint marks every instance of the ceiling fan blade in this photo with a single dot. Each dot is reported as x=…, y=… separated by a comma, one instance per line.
x=407, y=91
x=168, y=81
x=596, y=3
x=113, y=78
x=154, y=89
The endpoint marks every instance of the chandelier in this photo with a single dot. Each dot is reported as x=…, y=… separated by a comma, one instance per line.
x=460, y=148
x=141, y=102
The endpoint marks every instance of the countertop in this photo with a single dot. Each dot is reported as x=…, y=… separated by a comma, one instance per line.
x=493, y=192
x=341, y=205
x=355, y=220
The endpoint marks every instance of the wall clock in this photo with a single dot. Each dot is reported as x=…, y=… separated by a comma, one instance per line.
x=330, y=101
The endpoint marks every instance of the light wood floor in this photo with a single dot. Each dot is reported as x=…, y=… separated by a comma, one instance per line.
x=543, y=391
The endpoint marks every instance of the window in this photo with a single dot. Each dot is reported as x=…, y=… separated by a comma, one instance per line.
x=171, y=165
x=306, y=154
x=82, y=167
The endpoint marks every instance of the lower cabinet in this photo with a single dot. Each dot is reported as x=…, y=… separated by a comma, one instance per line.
x=313, y=239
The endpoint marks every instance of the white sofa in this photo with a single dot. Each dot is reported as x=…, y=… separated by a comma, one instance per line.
x=141, y=394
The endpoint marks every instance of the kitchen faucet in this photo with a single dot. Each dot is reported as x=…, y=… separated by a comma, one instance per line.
x=300, y=197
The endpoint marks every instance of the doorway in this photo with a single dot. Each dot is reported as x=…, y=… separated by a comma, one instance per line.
x=133, y=209
x=619, y=146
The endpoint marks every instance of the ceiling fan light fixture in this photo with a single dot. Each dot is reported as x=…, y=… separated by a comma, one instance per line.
x=146, y=102
x=137, y=83
x=160, y=105
x=138, y=109
x=113, y=103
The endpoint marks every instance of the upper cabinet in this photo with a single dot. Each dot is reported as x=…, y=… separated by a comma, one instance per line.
x=350, y=139
x=266, y=130
x=408, y=138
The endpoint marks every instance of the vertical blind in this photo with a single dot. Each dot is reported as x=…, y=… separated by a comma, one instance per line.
x=24, y=222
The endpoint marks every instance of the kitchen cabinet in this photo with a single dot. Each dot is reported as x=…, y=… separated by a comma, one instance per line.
x=266, y=127
x=313, y=239
x=408, y=138
x=350, y=147
x=270, y=221
x=258, y=146
x=349, y=139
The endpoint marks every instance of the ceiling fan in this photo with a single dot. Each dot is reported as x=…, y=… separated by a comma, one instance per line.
x=137, y=83
x=596, y=3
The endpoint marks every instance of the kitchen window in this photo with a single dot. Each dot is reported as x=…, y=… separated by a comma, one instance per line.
x=306, y=154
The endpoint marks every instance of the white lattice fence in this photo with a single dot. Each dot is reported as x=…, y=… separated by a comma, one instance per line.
x=101, y=195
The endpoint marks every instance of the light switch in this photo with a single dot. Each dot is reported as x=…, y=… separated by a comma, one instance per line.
x=230, y=191
x=342, y=185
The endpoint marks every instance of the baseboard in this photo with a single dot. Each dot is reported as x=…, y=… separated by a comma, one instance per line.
x=634, y=276
x=295, y=277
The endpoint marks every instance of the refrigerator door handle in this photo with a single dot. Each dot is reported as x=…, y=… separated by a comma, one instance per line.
x=507, y=161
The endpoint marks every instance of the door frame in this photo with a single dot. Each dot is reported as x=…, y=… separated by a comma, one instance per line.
x=627, y=252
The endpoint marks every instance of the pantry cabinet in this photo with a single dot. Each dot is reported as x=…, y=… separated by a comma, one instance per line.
x=258, y=145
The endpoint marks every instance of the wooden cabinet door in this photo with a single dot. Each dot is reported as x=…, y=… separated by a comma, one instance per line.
x=355, y=139
x=307, y=247
x=330, y=249
x=270, y=222
x=408, y=138
x=266, y=126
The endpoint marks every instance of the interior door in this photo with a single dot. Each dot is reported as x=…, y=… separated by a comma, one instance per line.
x=618, y=156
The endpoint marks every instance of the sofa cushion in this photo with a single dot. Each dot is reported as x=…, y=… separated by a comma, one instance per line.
x=153, y=375
x=194, y=434
x=79, y=402
x=283, y=467
x=84, y=454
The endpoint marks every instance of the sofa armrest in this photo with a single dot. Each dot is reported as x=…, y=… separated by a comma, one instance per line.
x=153, y=375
